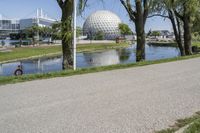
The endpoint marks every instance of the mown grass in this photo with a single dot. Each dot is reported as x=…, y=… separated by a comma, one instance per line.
x=13, y=79
x=27, y=52
x=196, y=44
x=193, y=123
x=194, y=127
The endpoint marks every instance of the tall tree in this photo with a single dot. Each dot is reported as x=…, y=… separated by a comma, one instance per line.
x=138, y=11
x=186, y=10
x=165, y=8
x=67, y=29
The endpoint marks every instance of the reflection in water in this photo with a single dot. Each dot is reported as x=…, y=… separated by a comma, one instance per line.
x=1, y=69
x=103, y=58
x=124, y=54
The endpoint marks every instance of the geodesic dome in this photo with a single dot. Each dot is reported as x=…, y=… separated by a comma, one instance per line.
x=102, y=21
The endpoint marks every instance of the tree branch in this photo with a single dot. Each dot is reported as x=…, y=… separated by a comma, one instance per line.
x=146, y=10
x=127, y=6
x=60, y=3
x=158, y=15
x=178, y=14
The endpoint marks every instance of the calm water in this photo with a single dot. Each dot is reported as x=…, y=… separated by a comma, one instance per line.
x=103, y=58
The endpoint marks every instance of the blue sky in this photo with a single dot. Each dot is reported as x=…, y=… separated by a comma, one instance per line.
x=26, y=8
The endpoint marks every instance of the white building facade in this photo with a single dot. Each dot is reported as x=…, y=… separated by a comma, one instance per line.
x=8, y=26
x=41, y=20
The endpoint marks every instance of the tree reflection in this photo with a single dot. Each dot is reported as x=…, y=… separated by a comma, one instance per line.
x=124, y=54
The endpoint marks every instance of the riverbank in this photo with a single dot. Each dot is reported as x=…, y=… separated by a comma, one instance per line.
x=24, y=78
x=163, y=44
x=45, y=51
x=170, y=44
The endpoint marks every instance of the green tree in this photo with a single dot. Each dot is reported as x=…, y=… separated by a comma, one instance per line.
x=138, y=11
x=186, y=11
x=56, y=29
x=32, y=32
x=155, y=33
x=196, y=26
x=67, y=30
x=46, y=32
x=165, y=8
x=99, y=36
x=79, y=31
x=125, y=29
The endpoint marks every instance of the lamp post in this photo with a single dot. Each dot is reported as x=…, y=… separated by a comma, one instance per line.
x=74, y=35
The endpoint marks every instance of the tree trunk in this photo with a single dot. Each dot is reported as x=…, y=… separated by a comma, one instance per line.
x=180, y=41
x=187, y=35
x=67, y=13
x=138, y=16
x=139, y=26
x=177, y=31
x=140, y=53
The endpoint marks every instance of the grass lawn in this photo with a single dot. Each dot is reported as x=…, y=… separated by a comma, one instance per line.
x=193, y=124
x=13, y=79
x=20, y=53
x=194, y=127
x=196, y=44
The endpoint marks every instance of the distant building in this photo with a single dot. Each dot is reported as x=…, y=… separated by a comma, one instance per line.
x=8, y=26
x=164, y=34
x=131, y=37
x=40, y=20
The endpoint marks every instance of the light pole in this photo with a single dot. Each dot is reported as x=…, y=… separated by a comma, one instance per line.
x=74, y=34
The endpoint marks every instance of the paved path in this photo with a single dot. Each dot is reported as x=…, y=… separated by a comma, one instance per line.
x=135, y=100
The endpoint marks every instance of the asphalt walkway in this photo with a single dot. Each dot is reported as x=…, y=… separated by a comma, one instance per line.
x=134, y=100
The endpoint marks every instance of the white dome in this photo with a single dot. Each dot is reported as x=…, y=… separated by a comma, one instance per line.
x=102, y=21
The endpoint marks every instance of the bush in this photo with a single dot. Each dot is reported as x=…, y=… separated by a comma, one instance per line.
x=99, y=36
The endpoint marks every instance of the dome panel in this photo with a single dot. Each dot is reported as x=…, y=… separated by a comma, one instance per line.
x=104, y=21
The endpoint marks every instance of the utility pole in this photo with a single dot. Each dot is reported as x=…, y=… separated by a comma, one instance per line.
x=74, y=34
x=39, y=15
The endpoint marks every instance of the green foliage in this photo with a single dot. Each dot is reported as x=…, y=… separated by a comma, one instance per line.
x=79, y=31
x=56, y=29
x=125, y=29
x=17, y=36
x=196, y=24
x=155, y=33
x=193, y=123
x=186, y=8
x=194, y=127
x=32, y=31
x=196, y=37
x=46, y=32
x=99, y=36
x=2, y=43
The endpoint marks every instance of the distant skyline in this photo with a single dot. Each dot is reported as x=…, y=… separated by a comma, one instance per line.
x=18, y=9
